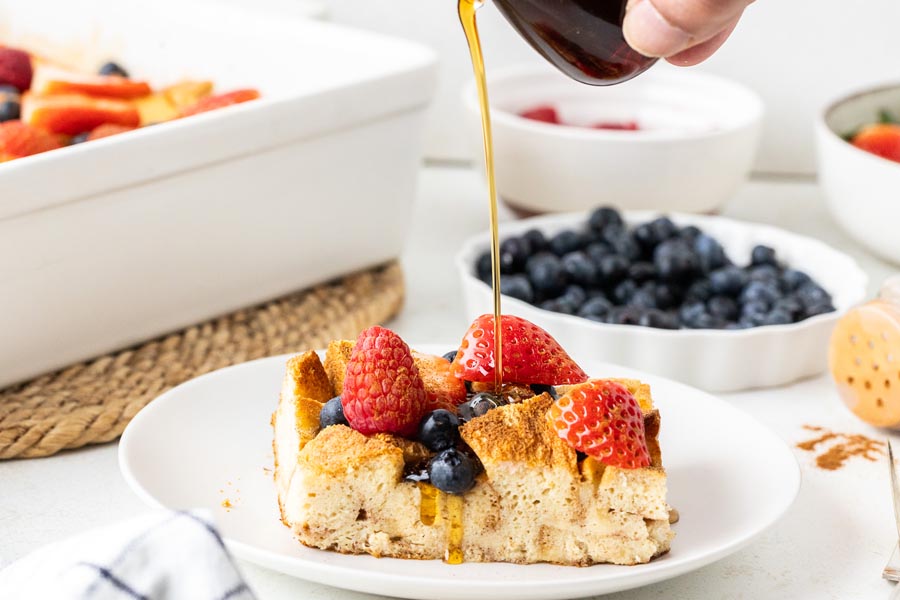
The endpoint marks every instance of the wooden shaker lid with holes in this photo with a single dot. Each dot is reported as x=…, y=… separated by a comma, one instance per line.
x=864, y=359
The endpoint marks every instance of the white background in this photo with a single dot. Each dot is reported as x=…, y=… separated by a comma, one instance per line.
x=797, y=53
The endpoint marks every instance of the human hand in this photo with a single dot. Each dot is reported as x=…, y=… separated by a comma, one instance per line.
x=685, y=32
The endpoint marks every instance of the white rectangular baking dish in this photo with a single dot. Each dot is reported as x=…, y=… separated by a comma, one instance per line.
x=112, y=242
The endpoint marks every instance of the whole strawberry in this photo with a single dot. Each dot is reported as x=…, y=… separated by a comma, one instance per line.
x=383, y=392
x=602, y=419
x=15, y=68
x=530, y=354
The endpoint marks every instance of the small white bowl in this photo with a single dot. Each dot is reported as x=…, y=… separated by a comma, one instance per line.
x=862, y=189
x=698, y=138
x=715, y=360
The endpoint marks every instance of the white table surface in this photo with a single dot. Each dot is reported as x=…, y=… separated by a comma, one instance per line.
x=832, y=544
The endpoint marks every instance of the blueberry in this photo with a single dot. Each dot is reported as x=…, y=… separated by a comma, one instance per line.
x=754, y=311
x=451, y=356
x=675, y=260
x=604, y=216
x=623, y=291
x=690, y=312
x=598, y=250
x=513, y=254
x=664, y=228
x=710, y=253
x=668, y=295
x=565, y=241
x=482, y=264
x=575, y=294
x=537, y=242
x=641, y=272
x=624, y=315
x=598, y=306
x=812, y=294
x=763, y=255
x=579, y=268
x=658, y=320
x=778, y=317
x=707, y=321
x=560, y=305
x=646, y=237
x=439, y=430
x=760, y=291
x=792, y=279
x=83, y=137
x=699, y=291
x=452, y=472
x=332, y=413
x=690, y=233
x=546, y=274
x=10, y=103
x=540, y=388
x=622, y=243
x=722, y=307
x=766, y=273
x=611, y=269
x=791, y=305
x=643, y=298
x=738, y=325
x=728, y=281
x=478, y=405
x=517, y=286
x=818, y=309
x=112, y=68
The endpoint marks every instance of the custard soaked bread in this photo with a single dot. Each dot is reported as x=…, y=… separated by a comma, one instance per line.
x=516, y=487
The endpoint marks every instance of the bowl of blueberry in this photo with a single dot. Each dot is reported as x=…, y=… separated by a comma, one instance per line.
x=716, y=303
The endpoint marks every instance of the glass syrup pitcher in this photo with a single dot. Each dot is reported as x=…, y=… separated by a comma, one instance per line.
x=582, y=38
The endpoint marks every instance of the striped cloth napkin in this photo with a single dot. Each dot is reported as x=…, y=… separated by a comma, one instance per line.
x=161, y=556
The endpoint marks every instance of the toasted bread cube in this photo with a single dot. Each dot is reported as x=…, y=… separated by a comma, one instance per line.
x=308, y=378
x=336, y=358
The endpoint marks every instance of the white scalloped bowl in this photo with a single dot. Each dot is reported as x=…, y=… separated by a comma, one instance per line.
x=715, y=360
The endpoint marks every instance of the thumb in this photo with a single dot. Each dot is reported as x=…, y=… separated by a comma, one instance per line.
x=667, y=27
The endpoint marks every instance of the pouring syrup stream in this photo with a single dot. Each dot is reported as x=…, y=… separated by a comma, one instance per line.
x=467, y=10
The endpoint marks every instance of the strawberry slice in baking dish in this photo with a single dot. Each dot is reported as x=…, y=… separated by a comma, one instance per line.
x=71, y=114
x=51, y=80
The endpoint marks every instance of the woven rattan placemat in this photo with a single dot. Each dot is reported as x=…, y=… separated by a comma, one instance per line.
x=92, y=402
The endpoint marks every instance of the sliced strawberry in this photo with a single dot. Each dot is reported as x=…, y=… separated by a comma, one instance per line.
x=530, y=354
x=51, y=80
x=108, y=129
x=15, y=68
x=882, y=139
x=18, y=140
x=71, y=114
x=602, y=419
x=623, y=126
x=442, y=388
x=383, y=392
x=544, y=114
x=220, y=101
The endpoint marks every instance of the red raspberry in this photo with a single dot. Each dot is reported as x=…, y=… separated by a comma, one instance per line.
x=602, y=419
x=383, y=392
x=15, y=68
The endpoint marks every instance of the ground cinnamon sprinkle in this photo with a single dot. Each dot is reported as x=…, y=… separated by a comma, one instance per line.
x=841, y=447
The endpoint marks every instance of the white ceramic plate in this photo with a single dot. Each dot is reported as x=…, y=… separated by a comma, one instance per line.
x=209, y=439
x=713, y=360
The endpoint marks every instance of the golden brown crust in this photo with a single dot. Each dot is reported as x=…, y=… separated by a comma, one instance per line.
x=514, y=392
x=339, y=450
x=336, y=358
x=310, y=379
x=519, y=433
x=413, y=452
x=651, y=434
